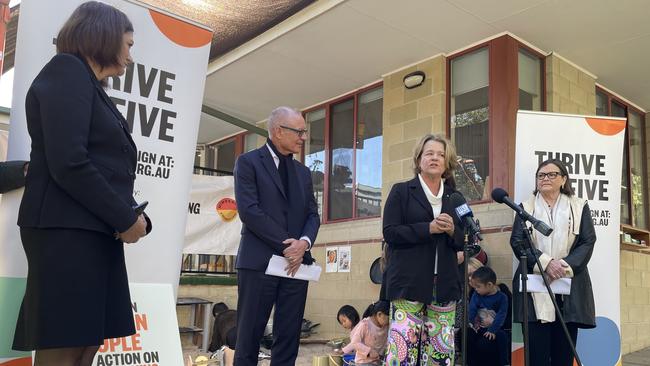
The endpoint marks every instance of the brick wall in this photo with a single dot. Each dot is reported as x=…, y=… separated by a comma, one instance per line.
x=409, y=114
x=635, y=301
x=569, y=89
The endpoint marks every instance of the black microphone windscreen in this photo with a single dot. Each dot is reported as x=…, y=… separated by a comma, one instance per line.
x=498, y=194
x=456, y=199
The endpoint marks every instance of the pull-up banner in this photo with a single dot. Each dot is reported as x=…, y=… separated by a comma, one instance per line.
x=160, y=96
x=592, y=149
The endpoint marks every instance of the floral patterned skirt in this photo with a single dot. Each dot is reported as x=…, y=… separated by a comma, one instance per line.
x=421, y=332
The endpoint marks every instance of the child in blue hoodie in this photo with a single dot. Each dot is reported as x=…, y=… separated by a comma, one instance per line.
x=487, y=312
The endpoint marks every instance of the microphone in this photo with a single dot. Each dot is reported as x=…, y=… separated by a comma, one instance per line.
x=501, y=196
x=465, y=214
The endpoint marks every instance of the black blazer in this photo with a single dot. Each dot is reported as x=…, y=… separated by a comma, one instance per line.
x=12, y=175
x=83, y=159
x=412, y=249
x=264, y=209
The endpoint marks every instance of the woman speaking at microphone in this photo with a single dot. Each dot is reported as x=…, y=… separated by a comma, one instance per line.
x=563, y=254
x=77, y=209
x=423, y=236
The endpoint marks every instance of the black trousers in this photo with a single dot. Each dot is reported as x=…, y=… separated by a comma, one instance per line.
x=548, y=344
x=484, y=352
x=257, y=294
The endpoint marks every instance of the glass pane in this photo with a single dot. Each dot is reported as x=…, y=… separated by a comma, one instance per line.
x=226, y=156
x=530, y=81
x=210, y=159
x=368, y=158
x=601, y=103
x=315, y=153
x=639, y=192
x=340, y=181
x=469, y=122
x=197, y=157
x=250, y=142
x=619, y=111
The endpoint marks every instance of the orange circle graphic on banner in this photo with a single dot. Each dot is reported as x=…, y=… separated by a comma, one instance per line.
x=25, y=361
x=604, y=126
x=227, y=209
x=180, y=32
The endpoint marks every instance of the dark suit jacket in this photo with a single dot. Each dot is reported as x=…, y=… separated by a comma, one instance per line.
x=264, y=210
x=83, y=159
x=412, y=249
x=12, y=175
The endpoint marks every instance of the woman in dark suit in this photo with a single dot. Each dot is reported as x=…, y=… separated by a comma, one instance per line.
x=563, y=254
x=77, y=209
x=421, y=277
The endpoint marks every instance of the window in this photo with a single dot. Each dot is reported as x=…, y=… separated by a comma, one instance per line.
x=220, y=156
x=225, y=156
x=315, y=153
x=486, y=85
x=343, y=153
x=250, y=142
x=470, y=121
x=602, y=104
x=367, y=187
x=638, y=195
x=634, y=193
x=530, y=81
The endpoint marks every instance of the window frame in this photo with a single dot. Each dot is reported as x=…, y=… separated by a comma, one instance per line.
x=239, y=143
x=354, y=95
x=612, y=98
x=503, y=104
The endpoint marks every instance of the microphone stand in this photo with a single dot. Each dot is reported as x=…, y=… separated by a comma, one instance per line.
x=524, y=273
x=466, y=245
x=524, y=289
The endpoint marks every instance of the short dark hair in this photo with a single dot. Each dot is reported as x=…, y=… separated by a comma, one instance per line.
x=94, y=31
x=349, y=312
x=484, y=274
x=564, y=172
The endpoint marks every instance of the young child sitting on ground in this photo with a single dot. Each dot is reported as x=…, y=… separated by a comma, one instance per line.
x=348, y=317
x=369, y=337
x=488, y=309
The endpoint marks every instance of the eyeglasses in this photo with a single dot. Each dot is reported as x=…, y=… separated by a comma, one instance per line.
x=300, y=133
x=550, y=175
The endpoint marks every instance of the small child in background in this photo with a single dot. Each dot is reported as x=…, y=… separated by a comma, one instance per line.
x=348, y=317
x=370, y=336
x=472, y=265
x=487, y=312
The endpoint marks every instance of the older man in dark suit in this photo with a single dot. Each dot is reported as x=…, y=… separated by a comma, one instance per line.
x=276, y=204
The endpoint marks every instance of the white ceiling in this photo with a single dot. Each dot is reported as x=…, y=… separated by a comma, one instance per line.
x=352, y=43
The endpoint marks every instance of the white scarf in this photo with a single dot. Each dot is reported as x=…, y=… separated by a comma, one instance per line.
x=435, y=200
x=556, y=245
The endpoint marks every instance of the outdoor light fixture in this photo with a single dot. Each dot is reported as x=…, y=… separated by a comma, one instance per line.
x=414, y=79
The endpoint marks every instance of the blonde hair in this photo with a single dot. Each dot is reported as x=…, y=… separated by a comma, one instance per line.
x=474, y=264
x=450, y=157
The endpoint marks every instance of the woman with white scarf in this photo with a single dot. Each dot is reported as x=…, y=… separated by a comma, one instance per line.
x=563, y=254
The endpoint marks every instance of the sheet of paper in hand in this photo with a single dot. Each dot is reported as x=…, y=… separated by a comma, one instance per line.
x=277, y=265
